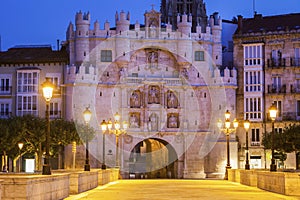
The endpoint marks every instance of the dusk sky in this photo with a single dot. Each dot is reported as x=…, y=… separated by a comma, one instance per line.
x=31, y=22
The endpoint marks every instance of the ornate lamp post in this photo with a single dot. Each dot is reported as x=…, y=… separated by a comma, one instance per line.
x=47, y=93
x=273, y=114
x=247, y=126
x=87, y=114
x=227, y=130
x=20, y=145
x=107, y=126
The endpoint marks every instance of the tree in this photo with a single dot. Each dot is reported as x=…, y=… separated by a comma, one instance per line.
x=286, y=142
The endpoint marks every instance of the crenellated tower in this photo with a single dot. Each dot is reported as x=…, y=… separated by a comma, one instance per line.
x=82, y=21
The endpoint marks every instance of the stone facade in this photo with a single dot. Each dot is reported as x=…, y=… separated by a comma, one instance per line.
x=166, y=84
x=266, y=52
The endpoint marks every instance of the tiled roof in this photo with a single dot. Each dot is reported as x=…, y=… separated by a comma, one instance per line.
x=261, y=23
x=33, y=54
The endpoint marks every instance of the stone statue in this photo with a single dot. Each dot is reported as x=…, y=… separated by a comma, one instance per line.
x=172, y=123
x=172, y=100
x=153, y=95
x=135, y=100
x=134, y=123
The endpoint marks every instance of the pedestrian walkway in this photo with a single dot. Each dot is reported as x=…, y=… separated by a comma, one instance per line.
x=177, y=190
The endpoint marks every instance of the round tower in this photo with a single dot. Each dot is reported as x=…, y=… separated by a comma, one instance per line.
x=216, y=31
x=184, y=44
x=122, y=41
x=82, y=23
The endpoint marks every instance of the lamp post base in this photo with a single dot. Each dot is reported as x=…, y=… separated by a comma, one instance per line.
x=103, y=166
x=87, y=167
x=247, y=166
x=46, y=170
x=226, y=172
x=273, y=168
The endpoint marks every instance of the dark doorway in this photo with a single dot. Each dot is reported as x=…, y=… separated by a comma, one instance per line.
x=153, y=158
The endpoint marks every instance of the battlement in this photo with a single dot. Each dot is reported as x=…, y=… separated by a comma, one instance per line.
x=82, y=17
x=83, y=74
x=229, y=77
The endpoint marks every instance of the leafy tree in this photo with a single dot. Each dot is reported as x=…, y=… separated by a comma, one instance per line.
x=286, y=142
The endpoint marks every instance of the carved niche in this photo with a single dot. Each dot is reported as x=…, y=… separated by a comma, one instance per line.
x=173, y=120
x=172, y=100
x=134, y=120
x=135, y=99
x=153, y=94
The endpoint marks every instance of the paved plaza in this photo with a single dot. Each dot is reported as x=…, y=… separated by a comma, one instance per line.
x=177, y=189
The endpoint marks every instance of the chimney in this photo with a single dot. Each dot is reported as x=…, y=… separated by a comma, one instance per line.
x=240, y=23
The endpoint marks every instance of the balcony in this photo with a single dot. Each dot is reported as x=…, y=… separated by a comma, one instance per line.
x=276, y=62
x=5, y=115
x=274, y=89
x=255, y=143
x=6, y=90
x=295, y=62
x=295, y=88
x=55, y=114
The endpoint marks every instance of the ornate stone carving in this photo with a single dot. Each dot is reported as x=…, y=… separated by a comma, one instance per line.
x=172, y=101
x=153, y=95
x=135, y=99
x=134, y=120
x=173, y=120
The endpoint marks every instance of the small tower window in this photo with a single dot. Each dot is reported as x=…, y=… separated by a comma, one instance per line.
x=100, y=94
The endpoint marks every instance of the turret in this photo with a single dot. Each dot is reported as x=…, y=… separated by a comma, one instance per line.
x=122, y=22
x=82, y=37
x=216, y=31
x=185, y=25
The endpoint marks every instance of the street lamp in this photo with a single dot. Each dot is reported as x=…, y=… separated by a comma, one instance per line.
x=47, y=93
x=273, y=113
x=87, y=114
x=226, y=128
x=107, y=126
x=20, y=145
x=247, y=126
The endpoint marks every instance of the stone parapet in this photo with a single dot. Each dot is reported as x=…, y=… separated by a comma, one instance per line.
x=34, y=186
x=287, y=183
x=82, y=181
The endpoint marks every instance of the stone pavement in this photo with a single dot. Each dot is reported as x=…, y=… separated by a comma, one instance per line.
x=167, y=189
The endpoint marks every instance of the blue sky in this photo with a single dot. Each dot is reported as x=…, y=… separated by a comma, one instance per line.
x=45, y=21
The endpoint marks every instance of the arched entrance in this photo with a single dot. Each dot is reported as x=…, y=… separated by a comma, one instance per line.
x=153, y=158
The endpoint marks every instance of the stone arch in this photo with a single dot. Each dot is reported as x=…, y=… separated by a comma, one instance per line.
x=153, y=158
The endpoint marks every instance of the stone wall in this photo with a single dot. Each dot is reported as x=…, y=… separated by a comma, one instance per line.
x=34, y=186
x=287, y=183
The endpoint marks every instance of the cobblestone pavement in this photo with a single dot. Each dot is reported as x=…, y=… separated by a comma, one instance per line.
x=176, y=190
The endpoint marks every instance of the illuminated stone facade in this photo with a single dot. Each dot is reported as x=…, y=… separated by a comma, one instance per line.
x=166, y=84
x=267, y=55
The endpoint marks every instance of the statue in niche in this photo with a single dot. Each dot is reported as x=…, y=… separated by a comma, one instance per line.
x=185, y=73
x=153, y=96
x=172, y=121
x=152, y=58
x=134, y=121
x=135, y=100
x=172, y=100
x=153, y=122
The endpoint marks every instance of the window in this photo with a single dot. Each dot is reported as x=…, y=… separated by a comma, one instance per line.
x=5, y=109
x=298, y=108
x=199, y=55
x=297, y=57
x=27, y=105
x=253, y=81
x=106, y=56
x=5, y=85
x=279, y=108
x=54, y=110
x=27, y=82
x=255, y=137
x=253, y=55
x=253, y=108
